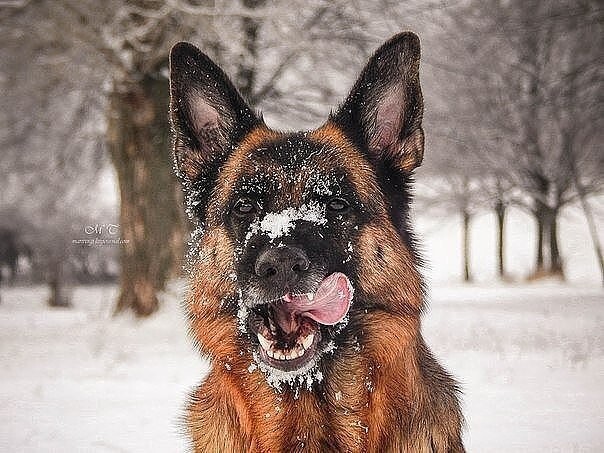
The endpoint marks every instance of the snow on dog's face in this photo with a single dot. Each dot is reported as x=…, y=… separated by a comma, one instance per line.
x=293, y=206
x=293, y=216
x=308, y=230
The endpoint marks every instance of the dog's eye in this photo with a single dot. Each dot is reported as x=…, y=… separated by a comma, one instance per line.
x=337, y=205
x=244, y=207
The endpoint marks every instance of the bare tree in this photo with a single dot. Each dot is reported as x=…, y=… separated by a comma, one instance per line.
x=577, y=110
x=512, y=54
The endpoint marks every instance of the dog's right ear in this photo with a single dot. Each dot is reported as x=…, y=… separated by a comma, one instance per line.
x=209, y=116
x=384, y=110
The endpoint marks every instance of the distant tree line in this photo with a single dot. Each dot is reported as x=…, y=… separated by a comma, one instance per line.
x=523, y=124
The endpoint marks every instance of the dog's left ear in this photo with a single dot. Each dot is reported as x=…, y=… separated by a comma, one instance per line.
x=383, y=112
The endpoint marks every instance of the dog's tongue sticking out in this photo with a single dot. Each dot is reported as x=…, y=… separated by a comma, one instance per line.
x=328, y=306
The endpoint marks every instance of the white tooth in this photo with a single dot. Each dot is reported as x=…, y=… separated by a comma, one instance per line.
x=288, y=355
x=270, y=353
x=307, y=342
x=266, y=344
x=310, y=296
x=280, y=355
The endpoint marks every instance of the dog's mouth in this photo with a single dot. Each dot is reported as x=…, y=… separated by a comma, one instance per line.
x=289, y=330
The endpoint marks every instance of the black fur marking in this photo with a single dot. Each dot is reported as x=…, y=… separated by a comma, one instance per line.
x=290, y=152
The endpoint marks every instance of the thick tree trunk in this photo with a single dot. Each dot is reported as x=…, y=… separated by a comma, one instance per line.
x=467, y=277
x=500, y=210
x=151, y=219
x=56, y=281
x=547, y=239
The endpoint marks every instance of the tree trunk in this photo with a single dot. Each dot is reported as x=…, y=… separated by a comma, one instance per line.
x=554, y=250
x=466, y=247
x=547, y=238
x=246, y=71
x=56, y=280
x=151, y=219
x=539, y=261
x=500, y=210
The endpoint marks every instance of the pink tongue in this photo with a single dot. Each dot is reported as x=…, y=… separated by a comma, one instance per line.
x=328, y=307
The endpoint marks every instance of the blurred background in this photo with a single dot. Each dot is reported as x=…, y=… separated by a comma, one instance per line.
x=508, y=206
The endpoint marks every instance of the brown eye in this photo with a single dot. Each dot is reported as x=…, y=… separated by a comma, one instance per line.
x=338, y=205
x=244, y=207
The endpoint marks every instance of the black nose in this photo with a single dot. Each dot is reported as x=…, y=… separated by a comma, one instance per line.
x=282, y=264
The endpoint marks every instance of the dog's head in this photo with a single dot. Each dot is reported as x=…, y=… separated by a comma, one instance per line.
x=304, y=235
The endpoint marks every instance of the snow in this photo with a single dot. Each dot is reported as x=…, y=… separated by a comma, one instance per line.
x=279, y=224
x=530, y=359
x=79, y=380
x=302, y=379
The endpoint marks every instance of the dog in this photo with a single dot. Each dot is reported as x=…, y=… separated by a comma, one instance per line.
x=305, y=292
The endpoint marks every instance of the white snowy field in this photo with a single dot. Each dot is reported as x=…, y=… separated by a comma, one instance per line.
x=530, y=359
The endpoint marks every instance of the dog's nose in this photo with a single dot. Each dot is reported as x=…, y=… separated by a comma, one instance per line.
x=282, y=264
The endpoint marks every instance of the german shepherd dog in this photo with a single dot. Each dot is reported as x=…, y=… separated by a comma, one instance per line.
x=304, y=289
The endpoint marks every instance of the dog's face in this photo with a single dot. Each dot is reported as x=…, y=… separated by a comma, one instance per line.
x=316, y=221
x=293, y=212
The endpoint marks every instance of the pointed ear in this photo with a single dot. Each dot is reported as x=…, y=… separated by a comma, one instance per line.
x=383, y=112
x=209, y=117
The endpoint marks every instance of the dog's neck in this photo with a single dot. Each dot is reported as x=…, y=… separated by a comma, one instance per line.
x=356, y=393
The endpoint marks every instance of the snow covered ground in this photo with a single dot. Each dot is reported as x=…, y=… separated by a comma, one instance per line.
x=531, y=361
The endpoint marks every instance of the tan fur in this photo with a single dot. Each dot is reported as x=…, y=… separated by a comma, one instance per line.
x=383, y=398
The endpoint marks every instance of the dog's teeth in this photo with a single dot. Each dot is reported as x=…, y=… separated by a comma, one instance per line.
x=279, y=354
x=307, y=342
x=266, y=344
x=310, y=296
